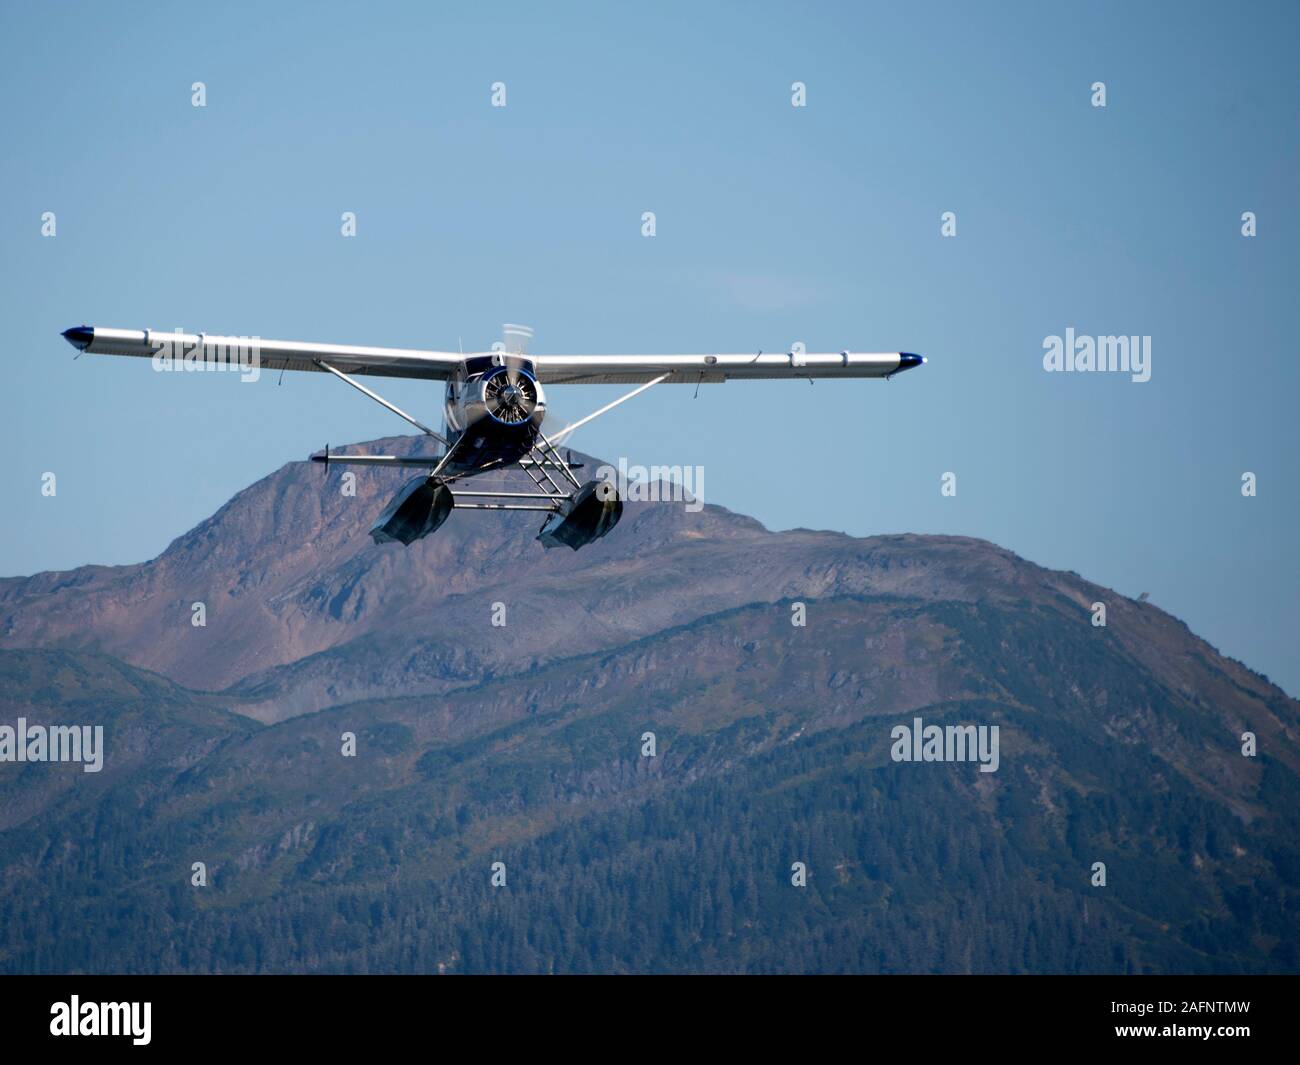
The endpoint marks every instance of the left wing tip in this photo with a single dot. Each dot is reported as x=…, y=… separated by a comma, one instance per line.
x=79, y=336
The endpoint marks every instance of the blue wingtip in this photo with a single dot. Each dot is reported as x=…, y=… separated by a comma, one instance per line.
x=79, y=336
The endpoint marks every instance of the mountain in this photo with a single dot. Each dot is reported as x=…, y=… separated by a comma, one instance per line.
x=523, y=744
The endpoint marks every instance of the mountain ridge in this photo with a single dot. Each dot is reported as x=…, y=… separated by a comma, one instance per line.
x=305, y=627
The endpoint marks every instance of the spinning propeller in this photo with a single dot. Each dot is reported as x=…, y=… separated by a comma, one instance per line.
x=512, y=396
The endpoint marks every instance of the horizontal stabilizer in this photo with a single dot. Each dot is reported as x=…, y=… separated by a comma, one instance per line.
x=422, y=462
x=426, y=462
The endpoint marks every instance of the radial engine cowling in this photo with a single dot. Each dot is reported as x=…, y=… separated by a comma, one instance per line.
x=507, y=396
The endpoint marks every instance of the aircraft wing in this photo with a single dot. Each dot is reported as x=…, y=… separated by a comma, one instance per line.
x=265, y=354
x=439, y=365
x=691, y=369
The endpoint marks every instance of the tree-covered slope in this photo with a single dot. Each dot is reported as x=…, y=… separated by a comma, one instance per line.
x=773, y=747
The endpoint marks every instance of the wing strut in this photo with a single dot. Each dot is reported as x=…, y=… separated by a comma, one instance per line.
x=383, y=402
x=608, y=407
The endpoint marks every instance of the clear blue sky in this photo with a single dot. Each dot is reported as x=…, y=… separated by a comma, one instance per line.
x=775, y=224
